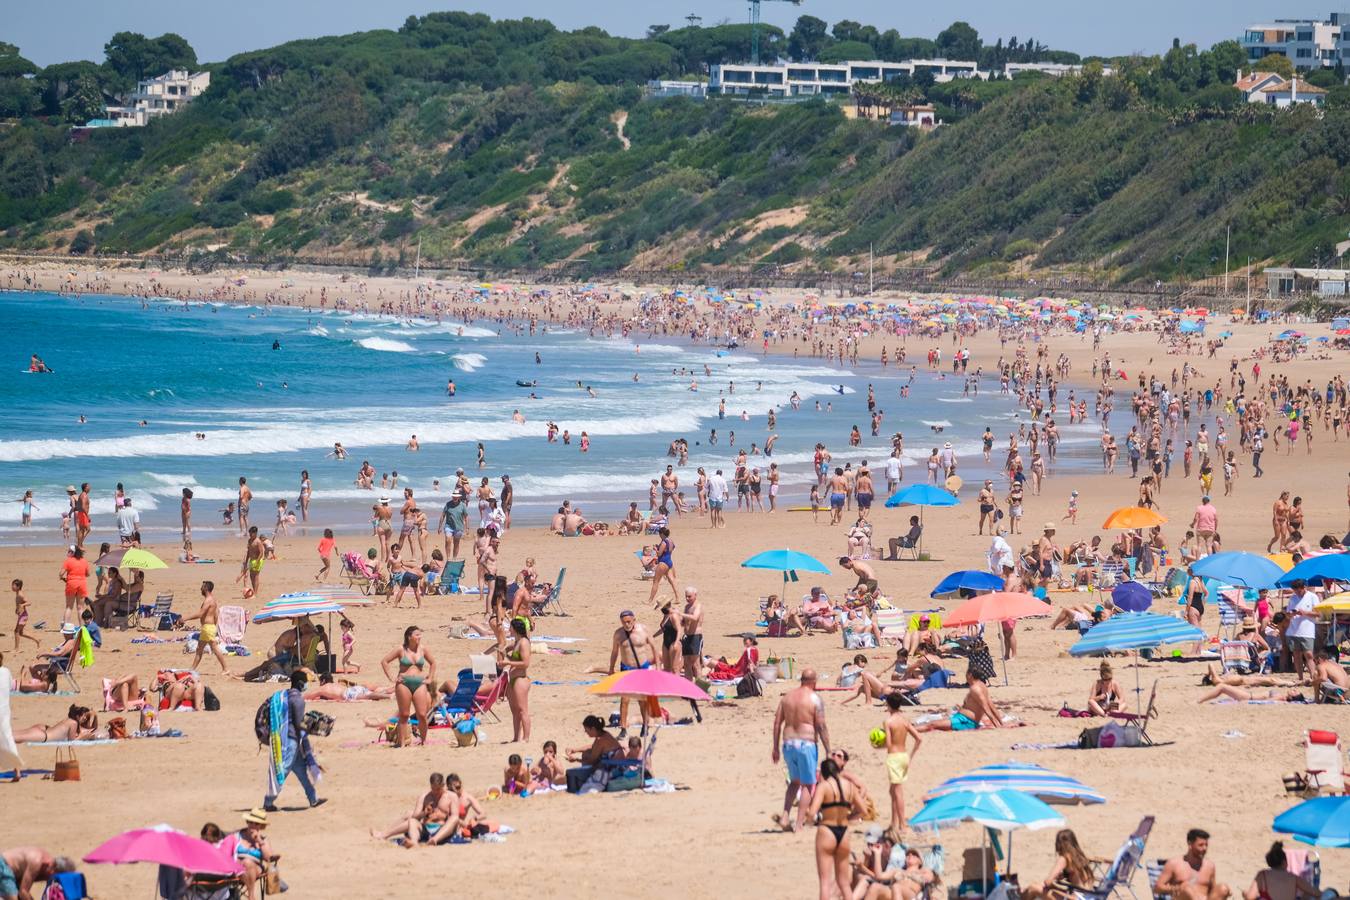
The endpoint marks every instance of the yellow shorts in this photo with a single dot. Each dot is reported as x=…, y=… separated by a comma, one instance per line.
x=208, y=634
x=897, y=767
x=255, y=565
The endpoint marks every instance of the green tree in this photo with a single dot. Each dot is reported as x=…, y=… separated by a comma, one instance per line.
x=22, y=171
x=959, y=41
x=84, y=103
x=1277, y=63
x=655, y=31
x=131, y=56
x=1229, y=57
x=82, y=244
x=807, y=38
x=844, y=50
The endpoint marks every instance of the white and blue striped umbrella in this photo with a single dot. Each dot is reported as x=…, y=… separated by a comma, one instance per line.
x=1135, y=631
x=294, y=608
x=1052, y=787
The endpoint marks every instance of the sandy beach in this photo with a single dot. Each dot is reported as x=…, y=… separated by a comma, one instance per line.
x=1218, y=767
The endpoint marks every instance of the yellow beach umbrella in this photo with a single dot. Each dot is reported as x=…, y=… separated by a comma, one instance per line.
x=1340, y=603
x=1283, y=560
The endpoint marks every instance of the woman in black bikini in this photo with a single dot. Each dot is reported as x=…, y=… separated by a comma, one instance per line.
x=1195, y=600
x=834, y=805
x=670, y=639
x=79, y=724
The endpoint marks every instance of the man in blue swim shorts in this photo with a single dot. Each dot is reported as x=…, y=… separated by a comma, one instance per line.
x=977, y=710
x=797, y=725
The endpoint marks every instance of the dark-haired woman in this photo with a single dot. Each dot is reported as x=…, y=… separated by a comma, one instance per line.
x=1276, y=882
x=416, y=671
x=79, y=724
x=835, y=802
x=602, y=744
x=515, y=668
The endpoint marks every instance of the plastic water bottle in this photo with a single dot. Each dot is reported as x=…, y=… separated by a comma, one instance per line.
x=720, y=695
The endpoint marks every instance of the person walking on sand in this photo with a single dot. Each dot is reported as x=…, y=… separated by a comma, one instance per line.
x=623, y=651
x=253, y=561
x=21, y=615
x=798, y=723
x=245, y=498
x=209, y=636
x=898, y=730
x=664, y=567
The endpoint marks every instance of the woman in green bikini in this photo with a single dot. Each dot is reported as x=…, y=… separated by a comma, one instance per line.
x=515, y=666
x=416, y=669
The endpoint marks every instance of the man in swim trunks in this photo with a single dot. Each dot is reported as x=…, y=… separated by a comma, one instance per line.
x=797, y=724
x=631, y=642
x=838, y=487
x=21, y=868
x=253, y=560
x=863, y=490
x=691, y=640
x=245, y=497
x=209, y=615
x=867, y=576
x=898, y=729
x=977, y=709
x=670, y=483
x=1191, y=876
x=81, y=510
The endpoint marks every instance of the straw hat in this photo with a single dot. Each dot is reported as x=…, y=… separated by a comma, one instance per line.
x=256, y=816
x=1248, y=623
x=1049, y=526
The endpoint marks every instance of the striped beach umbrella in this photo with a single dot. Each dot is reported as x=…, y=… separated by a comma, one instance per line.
x=1040, y=782
x=295, y=607
x=1135, y=631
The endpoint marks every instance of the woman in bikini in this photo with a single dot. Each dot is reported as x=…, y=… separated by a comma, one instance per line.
x=515, y=666
x=80, y=724
x=382, y=525
x=1072, y=867
x=472, y=821
x=416, y=667
x=1276, y=882
x=664, y=568
x=1106, y=694
x=835, y=805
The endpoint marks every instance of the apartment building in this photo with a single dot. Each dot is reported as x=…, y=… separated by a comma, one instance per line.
x=159, y=96
x=789, y=80
x=1309, y=43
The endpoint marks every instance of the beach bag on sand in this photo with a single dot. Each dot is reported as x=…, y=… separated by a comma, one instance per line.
x=981, y=660
x=748, y=686
x=1088, y=737
x=210, y=702
x=67, y=769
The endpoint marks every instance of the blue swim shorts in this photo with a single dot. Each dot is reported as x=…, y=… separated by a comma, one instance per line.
x=802, y=760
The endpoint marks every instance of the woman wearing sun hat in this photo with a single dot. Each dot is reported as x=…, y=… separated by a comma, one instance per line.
x=252, y=849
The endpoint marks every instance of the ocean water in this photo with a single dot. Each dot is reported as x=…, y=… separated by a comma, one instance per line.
x=371, y=382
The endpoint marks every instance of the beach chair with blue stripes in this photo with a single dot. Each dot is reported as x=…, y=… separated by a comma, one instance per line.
x=450, y=576
x=553, y=601
x=1119, y=875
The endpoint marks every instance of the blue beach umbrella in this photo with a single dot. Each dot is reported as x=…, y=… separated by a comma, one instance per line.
x=789, y=562
x=1002, y=810
x=1240, y=568
x=1132, y=596
x=1321, y=821
x=1318, y=570
x=969, y=580
x=1135, y=631
x=1040, y=782
x=922, y=495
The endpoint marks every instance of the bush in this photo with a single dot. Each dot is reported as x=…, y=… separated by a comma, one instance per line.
x=82, y=243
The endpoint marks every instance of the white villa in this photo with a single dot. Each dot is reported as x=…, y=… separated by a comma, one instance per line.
x=154, y=97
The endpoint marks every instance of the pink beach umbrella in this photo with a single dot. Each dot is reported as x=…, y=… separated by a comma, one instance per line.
x=168, y=847
x=648, y=683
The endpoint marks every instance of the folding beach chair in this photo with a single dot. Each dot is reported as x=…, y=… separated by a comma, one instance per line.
x=1120, y=874
x=450, y=576
x=1109, y=574
x=1230, y=612
x=553, y=601
x=1150, y=713
x=233, y=624
x=892, y=624
x=356, y=572
x=647, y=571
x=160, y=616
x=66, y=666
x=1324, y=771
x=462, y=700
x=484, y=706
x=1238, y=656
x=631, y=774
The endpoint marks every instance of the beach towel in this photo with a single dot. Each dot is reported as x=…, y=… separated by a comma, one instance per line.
x=9, y=751
x=281, y=743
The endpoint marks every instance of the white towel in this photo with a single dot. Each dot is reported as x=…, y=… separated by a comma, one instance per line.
x=9, y=751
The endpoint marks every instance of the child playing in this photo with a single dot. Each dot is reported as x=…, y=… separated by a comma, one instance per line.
x=815, y=503
x=1230, y=471
x=1073, y=507
x=282, y=516
x=516, y=778
x=65, y=525
x=1206, y=478
x=21, y=615
x=348, y=645
x=327, y=547
x=548, y=772
x=228, y=513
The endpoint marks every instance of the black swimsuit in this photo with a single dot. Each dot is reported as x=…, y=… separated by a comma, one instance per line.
x=668, y=632
x=839, y=831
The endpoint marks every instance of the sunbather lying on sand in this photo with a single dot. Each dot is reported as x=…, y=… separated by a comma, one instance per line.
x=1274, y=695
x=80, y=724
x=1214, y=677
x=123, y=694
x=346, y=691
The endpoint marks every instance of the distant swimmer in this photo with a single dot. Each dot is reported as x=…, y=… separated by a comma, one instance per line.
x=143, y=423
x=537, y=360
x=81, y=420
x=590, y=390
x=450, y=388
x=276, y=345
x=412, y=445
x=518, y=417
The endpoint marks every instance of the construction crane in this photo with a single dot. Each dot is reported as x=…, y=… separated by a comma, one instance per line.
x=754, y=26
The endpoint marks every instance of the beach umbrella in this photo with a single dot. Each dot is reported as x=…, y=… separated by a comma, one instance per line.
x=1040, y=782
x=1318, y=570
x=168, y=847
x=996, y=607
x=922, y=495
x=336, y=593
x=132, y=558
x=1131, y=596
x=1239, y=568
x=789, y=562
x=1001, y=810
x=1135, y=631
x=296, y=609
x=1284, y=560
x=967, y=580
x=1321, y=821
x=648, y=683
x=1134, y=517
x=1337, y=603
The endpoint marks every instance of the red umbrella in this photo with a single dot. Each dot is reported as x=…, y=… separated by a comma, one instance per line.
x=995, y=607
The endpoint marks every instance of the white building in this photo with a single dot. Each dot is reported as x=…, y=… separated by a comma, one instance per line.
x=661, y=87
x=160, y=96
x=918, y=115
x=1309, y=43
x=788, y=80
x=1269, y=88
x=1057, y=70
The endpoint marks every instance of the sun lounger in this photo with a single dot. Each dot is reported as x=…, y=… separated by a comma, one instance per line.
x=1238, y=656
x=484, y=706
x=357, y=573
x=462, y=700
x=1324, y=770
x=233, y=624
x=891, y=623
x=1119, y=875
x=552, y=602
x=160, y=616
x=1231, y=612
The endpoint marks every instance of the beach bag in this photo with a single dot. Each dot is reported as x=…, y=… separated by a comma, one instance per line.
x=319, y=724
x=748, y=686
x=981, y=660
x=262, y=722
x=1088, y=737
x=67, y=769
x=210, y=701
x=272, y=878
x=1113, y=734
x=117, y=729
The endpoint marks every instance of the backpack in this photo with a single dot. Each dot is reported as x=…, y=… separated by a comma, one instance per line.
x=748, y=686
x=262, y=722
x=210, y=701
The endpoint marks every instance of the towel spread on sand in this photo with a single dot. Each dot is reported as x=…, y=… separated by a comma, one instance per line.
x=9, y=751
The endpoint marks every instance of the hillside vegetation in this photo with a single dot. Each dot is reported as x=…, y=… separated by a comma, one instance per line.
x=500, y=144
